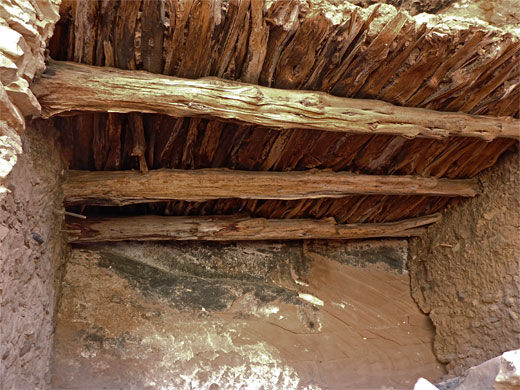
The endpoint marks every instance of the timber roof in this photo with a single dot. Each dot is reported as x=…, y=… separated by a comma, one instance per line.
x=373, y=53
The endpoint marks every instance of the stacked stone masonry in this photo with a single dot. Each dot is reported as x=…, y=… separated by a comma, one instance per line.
x=25, y=28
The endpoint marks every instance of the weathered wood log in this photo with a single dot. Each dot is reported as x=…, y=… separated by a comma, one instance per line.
x=232, y=228
x=129, y=187
x=67, y=87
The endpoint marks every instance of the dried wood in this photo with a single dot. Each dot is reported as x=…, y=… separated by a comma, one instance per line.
x=85, y=38
x=210, y=141
x=297, y=59
x=152, y=35
x=105, y=25
x=198, y=39
x=493, y=84
x=388, y=69
x=187, y=161
x=124, y=34
x=83, y=136
x=335, y=73
x=283, y=20
x=179, y=14
x=135, y=126
x=130, y=187
x=467, y=81
x=478, y=40
x=257, y=47
x=66, y=87
x=114, y=124
x=369, y=60
x=430, y=59
x=233, y=228
x=99, y=144
x=222, y=42
x=235, y=65
x=235, y=17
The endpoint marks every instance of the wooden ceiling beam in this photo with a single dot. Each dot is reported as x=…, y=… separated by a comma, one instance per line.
x=233, y=228
x=66, y=87
x=119, y=188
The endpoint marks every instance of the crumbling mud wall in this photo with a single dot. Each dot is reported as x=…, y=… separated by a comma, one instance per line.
x=28, y=195
x=465, y=272
x=30, y=251
x=245, y=315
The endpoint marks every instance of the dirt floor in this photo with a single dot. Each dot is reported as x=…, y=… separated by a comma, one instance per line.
x=298, y=320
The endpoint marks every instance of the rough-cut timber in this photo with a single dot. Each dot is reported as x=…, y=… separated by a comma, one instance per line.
x=233, y=228
x=130, y=187
x=67, y=87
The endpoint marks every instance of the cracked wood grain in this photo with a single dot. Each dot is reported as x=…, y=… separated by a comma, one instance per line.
x=235, y=228
x=130, y=187
x=66, y=87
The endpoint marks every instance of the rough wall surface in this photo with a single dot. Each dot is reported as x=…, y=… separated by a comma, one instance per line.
x=28, y=196
x=499, y=373
x=465, y=272
x=29, y=246
x=25, y=28
x=236, y=316
x=500, y=13
x=414, y=7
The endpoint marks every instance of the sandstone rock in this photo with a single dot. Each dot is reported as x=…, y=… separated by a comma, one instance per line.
x=8, y=70
x=25, y=28
x=20, y=20
x=10, y=113
x=481, y=376
x=22, y=96
x=8, y=157
x=508, y=377
x=499, y=373
x=48, y=14
x=10, y=45
x=9, y=136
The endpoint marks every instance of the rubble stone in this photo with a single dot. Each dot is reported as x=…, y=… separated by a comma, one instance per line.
x=508, y=377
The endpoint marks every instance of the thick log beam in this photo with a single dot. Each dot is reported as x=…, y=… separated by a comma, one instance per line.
x=224, y=228
x=67, y=87
x=129, y=187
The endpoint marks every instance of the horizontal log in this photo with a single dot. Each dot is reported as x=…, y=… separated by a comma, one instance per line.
x=68, y=87
x=129, y=187
x=232, y=228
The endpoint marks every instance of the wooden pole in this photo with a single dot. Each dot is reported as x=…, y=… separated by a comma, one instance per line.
x=129, y=187
x=66, y=87
x=232, y=228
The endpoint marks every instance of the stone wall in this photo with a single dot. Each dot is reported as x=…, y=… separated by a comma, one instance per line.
x=466, y=272
x=25, y=28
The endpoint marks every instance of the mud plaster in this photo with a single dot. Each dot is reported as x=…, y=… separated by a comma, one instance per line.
x=31, y=250
x=465, y=272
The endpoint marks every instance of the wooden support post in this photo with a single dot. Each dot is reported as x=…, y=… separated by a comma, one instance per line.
x=67, y=87
x=232, y=228
x=129, y=187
